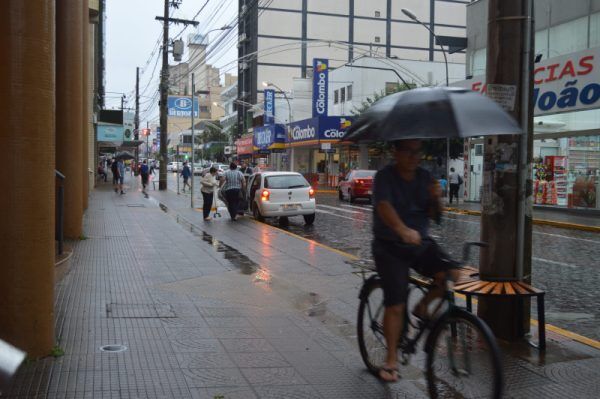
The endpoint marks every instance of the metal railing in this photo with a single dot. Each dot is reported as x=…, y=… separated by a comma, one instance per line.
x=59, y=210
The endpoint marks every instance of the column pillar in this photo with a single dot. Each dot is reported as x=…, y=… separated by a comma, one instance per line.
x=85, y=109
x=363, y=160
x=69, y=93
x=27, y=205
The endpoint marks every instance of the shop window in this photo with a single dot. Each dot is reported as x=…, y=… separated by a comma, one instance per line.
x=204, y=108
x=336, y=96
x=377, y=14
x=478, y=149
x=349, y=92
x=343, y=94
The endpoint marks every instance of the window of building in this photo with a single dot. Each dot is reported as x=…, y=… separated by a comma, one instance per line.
x=595, y=30
x=336, y=96
x=349, y=92
x=204, y=108
x=377, y=14
x=377, y=39
x=343, y=94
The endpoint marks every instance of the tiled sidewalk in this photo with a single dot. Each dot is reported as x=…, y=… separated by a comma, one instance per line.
x=230, y=310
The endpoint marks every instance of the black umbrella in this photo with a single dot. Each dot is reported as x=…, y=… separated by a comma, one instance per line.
x=429, y=113
x=124, y=155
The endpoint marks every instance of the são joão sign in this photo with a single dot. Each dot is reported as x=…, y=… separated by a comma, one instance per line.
x=561, y=84
x=181, y=107
x=320, y=87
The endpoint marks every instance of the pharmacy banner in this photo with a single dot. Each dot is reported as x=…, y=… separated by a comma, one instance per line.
x=561, y=84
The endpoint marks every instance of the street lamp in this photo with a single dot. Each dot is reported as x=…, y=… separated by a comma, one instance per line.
x=417, y=20
x=412, y=16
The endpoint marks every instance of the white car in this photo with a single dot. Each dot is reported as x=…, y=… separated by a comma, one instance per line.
x=281, y=194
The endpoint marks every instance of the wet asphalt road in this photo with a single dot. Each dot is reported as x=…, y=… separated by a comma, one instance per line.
x=566, y=263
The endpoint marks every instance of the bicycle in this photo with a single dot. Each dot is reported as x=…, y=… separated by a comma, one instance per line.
x=458, y=344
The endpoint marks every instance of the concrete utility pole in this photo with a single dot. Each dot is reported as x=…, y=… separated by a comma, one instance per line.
x=193, y=142
x=164, y=88
x=136, y=120
x=506, y=203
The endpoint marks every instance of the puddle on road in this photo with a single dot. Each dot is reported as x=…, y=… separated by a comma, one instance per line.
x=235, y=257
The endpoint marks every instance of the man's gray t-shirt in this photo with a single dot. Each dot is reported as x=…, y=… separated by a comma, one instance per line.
x=410, y=199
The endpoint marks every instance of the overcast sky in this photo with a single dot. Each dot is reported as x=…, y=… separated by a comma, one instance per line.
x=131, y=36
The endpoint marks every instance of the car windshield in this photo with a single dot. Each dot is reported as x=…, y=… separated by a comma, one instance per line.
x=361, y=174
x=285, y=181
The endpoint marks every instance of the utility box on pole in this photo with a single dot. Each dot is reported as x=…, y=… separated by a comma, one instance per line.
x=507, y=186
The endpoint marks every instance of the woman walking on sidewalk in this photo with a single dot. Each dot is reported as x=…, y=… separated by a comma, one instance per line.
x=208, y=184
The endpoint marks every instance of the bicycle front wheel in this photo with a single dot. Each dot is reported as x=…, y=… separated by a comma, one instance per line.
x=371, y=342
x=463, y=359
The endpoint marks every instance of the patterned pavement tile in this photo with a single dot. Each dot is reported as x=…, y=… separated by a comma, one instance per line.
x=273, y=376
x=223, y=392
x=205, y=360
x=214, y=377
x=247, y=345
x=258, y=359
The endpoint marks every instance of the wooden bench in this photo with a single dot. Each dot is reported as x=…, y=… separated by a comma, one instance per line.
x=469, y=285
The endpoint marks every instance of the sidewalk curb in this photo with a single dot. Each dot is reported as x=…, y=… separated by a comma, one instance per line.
x=542, y=222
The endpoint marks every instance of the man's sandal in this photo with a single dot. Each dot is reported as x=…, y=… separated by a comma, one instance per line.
x=392, y=374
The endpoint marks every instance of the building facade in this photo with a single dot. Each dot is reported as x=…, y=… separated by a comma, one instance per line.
x=339, y=30
x=566, y=95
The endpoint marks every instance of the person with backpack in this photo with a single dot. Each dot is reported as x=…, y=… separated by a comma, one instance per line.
x=455, y=181
x=114, y=168
x=186, y=173
x=144, y=173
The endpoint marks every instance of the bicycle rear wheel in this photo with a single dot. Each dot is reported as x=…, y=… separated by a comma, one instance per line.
x=463, y=359
x=371, y=341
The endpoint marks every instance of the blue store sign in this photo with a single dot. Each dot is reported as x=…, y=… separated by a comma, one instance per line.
x=322, y=129
x=270, y=137
x=320, y=87
x=181, y=107
x=107, y=132
x=269, y=117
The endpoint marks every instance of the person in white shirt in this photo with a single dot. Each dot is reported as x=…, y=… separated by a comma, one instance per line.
x=208, y=184
x=455, y=181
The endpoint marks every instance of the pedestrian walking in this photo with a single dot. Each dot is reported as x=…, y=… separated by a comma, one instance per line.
x=114, y=168
x=121, y=166
x=144, y=173
x=152, y=167
x=186, y=173
x=455, y=181
x=444, y=185
x=102, y=172
x=208, y=184
x=232, y=185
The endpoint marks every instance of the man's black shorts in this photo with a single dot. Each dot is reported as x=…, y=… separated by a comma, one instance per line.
x=393, y=261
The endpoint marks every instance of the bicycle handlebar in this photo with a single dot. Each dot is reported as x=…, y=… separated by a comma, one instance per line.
x=467, y=249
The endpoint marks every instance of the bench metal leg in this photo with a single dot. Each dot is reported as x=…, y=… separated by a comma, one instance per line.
x=469, y=304
x=541, y=322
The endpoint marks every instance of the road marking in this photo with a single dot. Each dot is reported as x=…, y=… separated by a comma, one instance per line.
x=553, y=262
x=335, y=214
x=364, y=208
x=567, y=237
x=339, y=209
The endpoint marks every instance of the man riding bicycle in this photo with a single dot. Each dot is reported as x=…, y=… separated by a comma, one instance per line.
x=405, y=197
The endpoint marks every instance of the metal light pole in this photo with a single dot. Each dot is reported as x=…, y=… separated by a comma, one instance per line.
x=417, y=20
x=267, y=84
x=193, y=142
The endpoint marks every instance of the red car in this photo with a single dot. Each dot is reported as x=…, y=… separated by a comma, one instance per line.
x=357, y=184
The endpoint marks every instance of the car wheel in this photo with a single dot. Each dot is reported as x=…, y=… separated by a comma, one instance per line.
x=256, y=213
x=309, y=219
x=340, y=195
x=351, y=197
x=284, y=221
